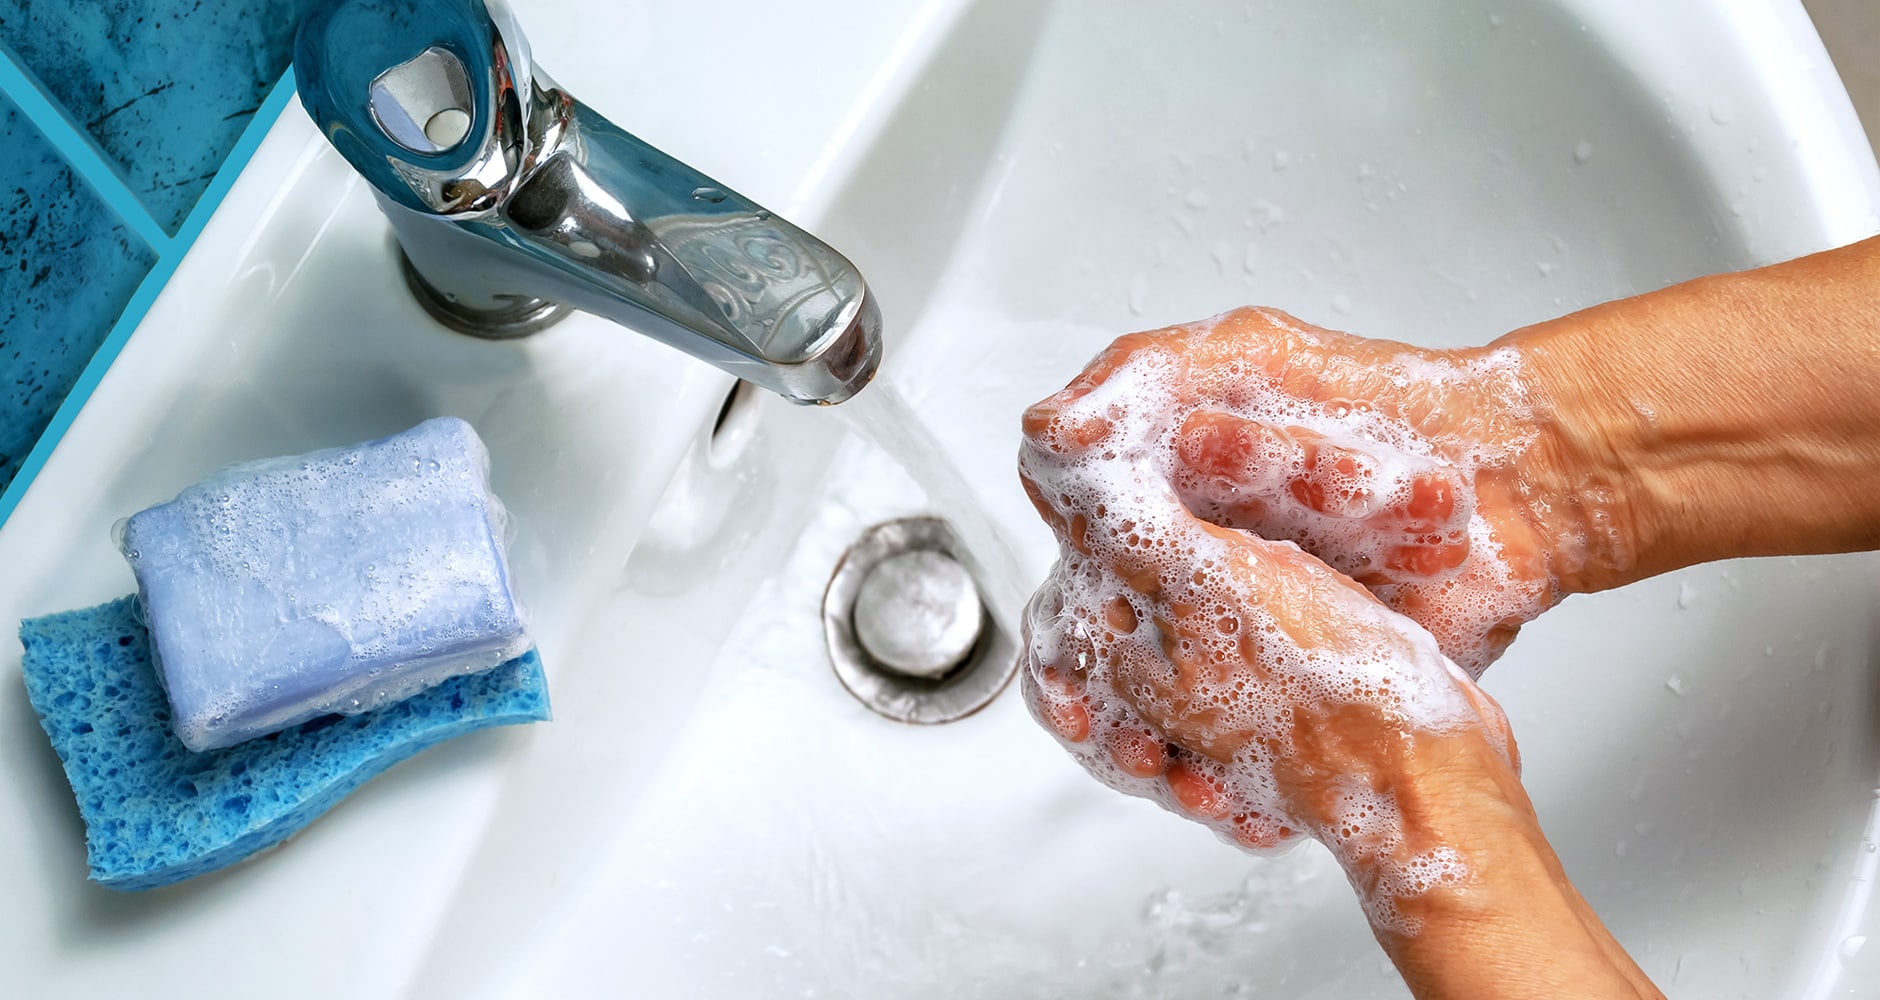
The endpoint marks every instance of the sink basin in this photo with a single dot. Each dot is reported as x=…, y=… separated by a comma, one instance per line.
x=711, y=814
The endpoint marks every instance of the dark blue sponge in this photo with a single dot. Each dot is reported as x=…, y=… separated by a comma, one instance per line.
x=156, y=813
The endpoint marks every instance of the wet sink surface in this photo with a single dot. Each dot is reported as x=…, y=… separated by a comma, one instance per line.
x=1702, y=747
x=712, y=815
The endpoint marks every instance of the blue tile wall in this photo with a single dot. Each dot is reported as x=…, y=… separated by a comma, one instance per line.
x=68, y=265
x=115, y=117
x=164, y=87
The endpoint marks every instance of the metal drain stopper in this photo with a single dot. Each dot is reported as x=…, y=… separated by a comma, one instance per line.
x=907, y=632
x=918, y=613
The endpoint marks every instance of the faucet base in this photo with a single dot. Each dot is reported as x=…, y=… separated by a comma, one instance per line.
x=521, y=317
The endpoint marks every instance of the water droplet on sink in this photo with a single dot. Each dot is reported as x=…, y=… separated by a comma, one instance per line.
x=1496, y=20
x=1583, y=153
x=1224, y=255
x=1687, y=595
x=710, y=195
x=1341, y=303
x=1546, y=268
x=1281, y=159
x=1197, y=198
x=1721, y=112
x=1675, y=684
x=1851, y=946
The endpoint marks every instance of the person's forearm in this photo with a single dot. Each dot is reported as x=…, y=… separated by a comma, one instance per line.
x=1514, y=927
x=1735, y=415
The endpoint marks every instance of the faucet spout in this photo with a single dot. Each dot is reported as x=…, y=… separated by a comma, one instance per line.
x=513, y=202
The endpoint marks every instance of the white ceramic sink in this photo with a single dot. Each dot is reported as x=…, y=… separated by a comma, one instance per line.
x=711, y=814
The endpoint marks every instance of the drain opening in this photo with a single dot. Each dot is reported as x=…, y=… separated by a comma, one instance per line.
x=908, y=633
x=735, y=426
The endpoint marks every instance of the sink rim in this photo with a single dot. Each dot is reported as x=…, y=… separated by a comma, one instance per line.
x=1849, y=175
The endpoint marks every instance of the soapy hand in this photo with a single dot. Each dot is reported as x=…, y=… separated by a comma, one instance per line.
x=1240, y=680
x=1415, y=472
x=1186, y=649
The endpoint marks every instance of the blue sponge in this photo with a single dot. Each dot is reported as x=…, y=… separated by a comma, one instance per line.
x=156, y=813
x=338, y=581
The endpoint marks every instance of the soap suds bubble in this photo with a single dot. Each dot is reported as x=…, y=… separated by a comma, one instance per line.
x=1175, y=659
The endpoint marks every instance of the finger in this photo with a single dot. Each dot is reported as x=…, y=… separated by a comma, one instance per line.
x=1046, y=509
x=1433, y=501
x=1198, y=793
x=1234, y=469
x=1139, y=752
x=1054, y=708
x=1047, y=424
x=1055, y=668
x=1424, y=559
x=1431, y=512
x=1335, y=480
x=1064, y=433
x=1239, y=467
x=1260, y=832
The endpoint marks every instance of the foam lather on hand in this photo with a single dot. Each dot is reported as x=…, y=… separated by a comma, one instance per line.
x=1206, y=667
x=282, y=590
x=156, y=813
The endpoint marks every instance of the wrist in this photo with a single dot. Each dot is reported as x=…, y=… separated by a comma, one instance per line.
x=1499, y=907
x=1729, y=416
x=1422, y=823
x=1574, y=484
x=1453, y=796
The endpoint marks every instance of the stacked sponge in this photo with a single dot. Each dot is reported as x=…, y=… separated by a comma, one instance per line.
x=157, y=813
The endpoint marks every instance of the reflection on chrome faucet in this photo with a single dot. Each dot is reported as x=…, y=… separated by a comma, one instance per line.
x=513, y=202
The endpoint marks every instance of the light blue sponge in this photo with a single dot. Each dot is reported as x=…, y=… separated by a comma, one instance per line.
x=157, y=813
x=338, y=581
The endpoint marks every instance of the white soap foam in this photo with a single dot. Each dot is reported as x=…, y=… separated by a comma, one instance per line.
x=1230, y=640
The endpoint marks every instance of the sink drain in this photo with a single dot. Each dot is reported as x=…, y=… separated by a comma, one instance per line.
x=908, y=633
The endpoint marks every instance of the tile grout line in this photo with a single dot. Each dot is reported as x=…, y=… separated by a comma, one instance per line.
x=168, y=257
x=79, y=150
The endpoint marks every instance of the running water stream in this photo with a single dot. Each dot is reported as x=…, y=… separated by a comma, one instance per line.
x=885, y=418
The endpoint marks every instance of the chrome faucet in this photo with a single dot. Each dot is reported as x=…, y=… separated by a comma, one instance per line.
x=512, y=202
